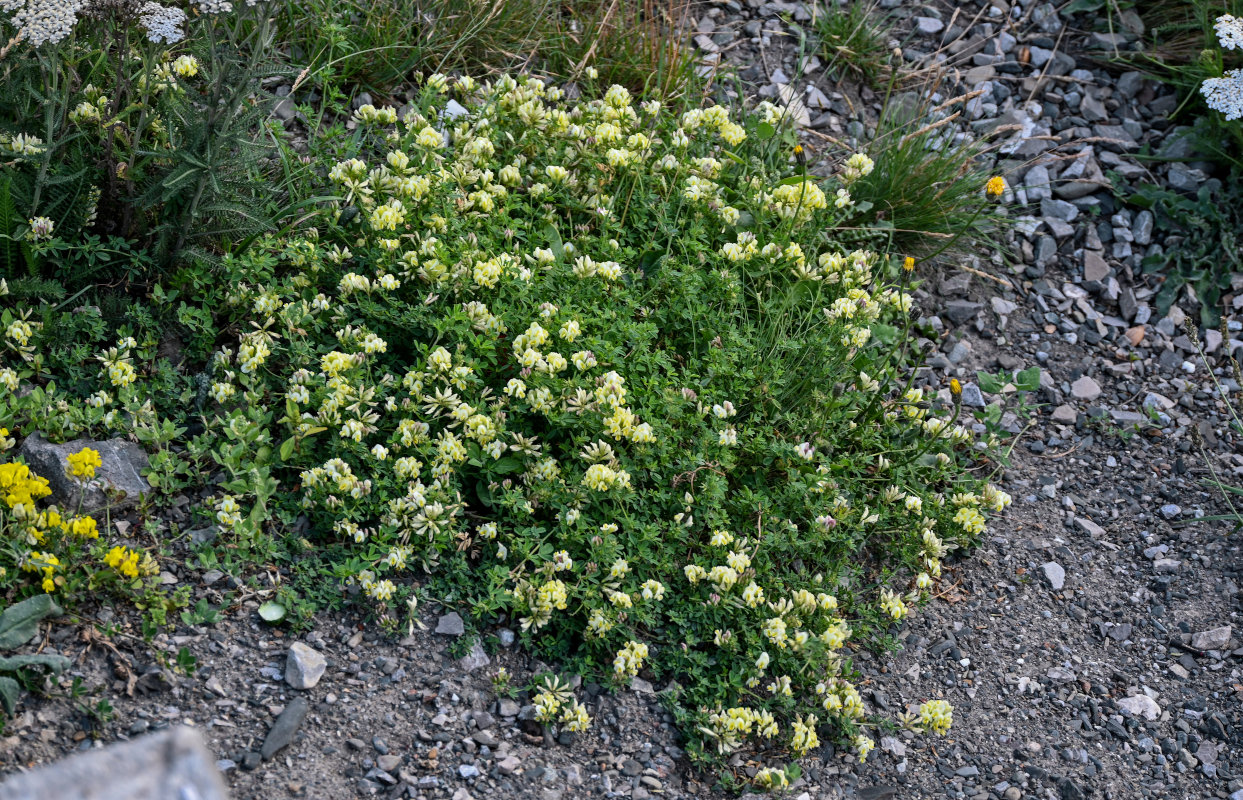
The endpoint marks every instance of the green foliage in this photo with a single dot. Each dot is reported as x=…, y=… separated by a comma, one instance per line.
x=1181, y=49
x=18, y=623
x=134, y=149
x=378, y=44
x=202, y=614
x=853, y=41
x=1202, y=250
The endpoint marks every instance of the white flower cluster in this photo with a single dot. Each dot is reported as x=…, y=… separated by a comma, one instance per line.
x=163, y=23
x=1229, y=32
x=43, y=21
x=1225, y=94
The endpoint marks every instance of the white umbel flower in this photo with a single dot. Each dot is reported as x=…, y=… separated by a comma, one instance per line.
x=43, y=21
x=1229, y=31
x=163, y=23
x=1225, y=94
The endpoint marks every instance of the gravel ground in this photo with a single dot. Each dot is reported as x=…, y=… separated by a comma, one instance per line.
x=1088, y=646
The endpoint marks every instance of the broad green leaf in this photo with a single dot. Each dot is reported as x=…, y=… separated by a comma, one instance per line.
x=885, y=334
x=57, y=664
x=1027, y=380
x=990, y=383
x=554, y=241
x=9, y=692
x=505, y=466
x=20, y=621
x=272, y=612
x=765, y=131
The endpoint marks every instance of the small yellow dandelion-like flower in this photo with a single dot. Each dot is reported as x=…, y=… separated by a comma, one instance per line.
x=995, y=187
x=908, y=264
x=955, y=387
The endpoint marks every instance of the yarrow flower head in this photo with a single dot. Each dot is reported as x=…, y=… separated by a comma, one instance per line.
x=1225, y=94
x=1229, y=31
x=163, y=24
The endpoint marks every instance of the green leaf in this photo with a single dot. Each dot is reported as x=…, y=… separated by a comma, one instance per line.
x=1079, y=6
x=1027, y=380
x=272, y=612
x=20, y=621
x=57, y=664
x=9, y=692
x=287, y=448
x=885, y=334
x=991, y=383
x=765, y=131
x=554, y=241
x=505, y=466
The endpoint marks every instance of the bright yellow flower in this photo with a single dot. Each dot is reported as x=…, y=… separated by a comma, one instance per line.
x=83, y=463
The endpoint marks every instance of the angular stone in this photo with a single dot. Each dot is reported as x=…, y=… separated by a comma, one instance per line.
x=475, y=659
x=961, y=312
x=1054, y=575
x=285, y=727
x=878, y=793
x=485, y=738
x=451, y=625
x=1215, y=639
x=1089, y=527
x=1141, y=705
x=1141, y=228
x=1095, y=267
x=1058, y=209
x=1085, y=389
x=799, y=114
x=1065, y=414
x=1037, y=184
x=929, y=25
x=304, y=666
x=1003, y=307
x=170, y=764
x=1060, y=675
x=118, y=483
x=1115, y=137
x=972, y=397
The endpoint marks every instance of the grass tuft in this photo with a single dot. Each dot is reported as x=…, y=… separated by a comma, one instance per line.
x=853, y=42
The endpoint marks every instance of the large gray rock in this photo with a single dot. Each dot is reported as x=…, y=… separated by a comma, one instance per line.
x=1215, y=639
x=118, y=482
x=1141, y=705
x=170, y=764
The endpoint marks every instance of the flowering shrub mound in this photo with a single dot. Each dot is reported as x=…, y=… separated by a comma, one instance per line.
x=598, y=369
